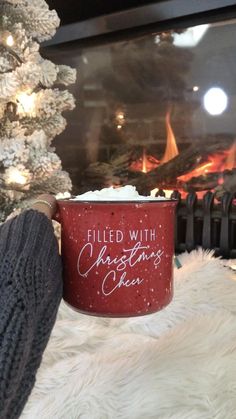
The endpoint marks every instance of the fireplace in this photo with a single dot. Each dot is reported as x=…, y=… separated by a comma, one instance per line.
x=156, y=108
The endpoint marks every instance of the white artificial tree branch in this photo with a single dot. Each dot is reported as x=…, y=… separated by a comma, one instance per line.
x=30, y=106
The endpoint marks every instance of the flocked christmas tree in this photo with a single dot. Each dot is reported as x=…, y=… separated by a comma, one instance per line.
x=30, y=107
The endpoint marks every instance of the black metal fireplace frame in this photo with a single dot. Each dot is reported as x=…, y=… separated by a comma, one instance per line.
x=205, y=222
x=134, y=22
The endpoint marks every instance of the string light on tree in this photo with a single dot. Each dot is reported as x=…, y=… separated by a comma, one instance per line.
x=16, y=177
x=32, y=103
x=121, y=116
x=27, y=103
x=10, y=41
x=120, y=119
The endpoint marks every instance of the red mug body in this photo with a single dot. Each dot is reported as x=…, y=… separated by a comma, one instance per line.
x=117, y=256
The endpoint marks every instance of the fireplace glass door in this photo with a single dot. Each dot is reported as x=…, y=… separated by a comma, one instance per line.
x=157, y=111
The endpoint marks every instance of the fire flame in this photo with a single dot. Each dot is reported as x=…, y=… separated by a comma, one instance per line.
x=171, y=147
x=215, y=163
x=230, y=162
x=145, y=164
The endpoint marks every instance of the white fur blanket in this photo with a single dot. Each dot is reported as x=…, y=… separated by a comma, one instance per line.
x=179, y=363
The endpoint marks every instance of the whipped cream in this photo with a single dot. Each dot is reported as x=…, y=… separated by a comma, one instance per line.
x=123, y=193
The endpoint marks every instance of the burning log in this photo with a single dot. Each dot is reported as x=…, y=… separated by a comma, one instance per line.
x=144, y=164
x=229, y=183
x=185, y=162
x=196, y=168
x=100, y=175
x=202, y=183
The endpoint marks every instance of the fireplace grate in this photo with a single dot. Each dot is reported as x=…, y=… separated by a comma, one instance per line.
x=207, y=223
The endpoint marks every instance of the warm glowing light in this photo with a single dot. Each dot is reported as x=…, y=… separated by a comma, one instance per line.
x=10, y=41
x=214, y=164
x=203, y=169
x=171, y=147
x=153, y=192
x=195, y=88
x=15, y=176
x=27, y=102
x=120, y=116
x=215, y=101
x=148, y=162
x=168, y=192
x=230, y=162
x=145, y=163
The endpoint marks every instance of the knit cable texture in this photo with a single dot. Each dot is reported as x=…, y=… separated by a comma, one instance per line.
x=30, y=293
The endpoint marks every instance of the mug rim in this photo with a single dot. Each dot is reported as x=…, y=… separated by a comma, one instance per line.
x=123, y=201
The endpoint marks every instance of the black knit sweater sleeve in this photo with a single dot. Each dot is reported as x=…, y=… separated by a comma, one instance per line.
x=30, y=293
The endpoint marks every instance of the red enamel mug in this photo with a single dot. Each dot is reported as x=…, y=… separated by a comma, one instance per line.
x=117, y=256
